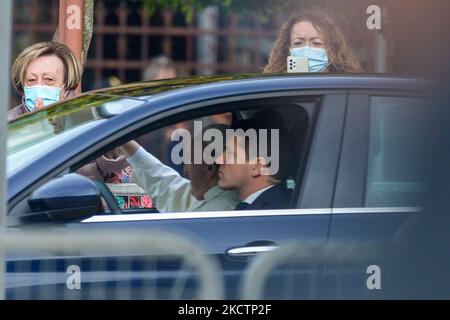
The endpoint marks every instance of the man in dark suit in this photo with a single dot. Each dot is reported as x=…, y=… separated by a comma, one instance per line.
x=274, y=197
x=259, y=177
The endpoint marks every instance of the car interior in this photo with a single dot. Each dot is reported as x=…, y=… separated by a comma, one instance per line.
x=295, y=116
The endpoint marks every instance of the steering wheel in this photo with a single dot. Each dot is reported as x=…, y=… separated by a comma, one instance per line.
x=109, y=198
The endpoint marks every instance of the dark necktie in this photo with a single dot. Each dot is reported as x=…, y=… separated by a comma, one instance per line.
x=242, y=206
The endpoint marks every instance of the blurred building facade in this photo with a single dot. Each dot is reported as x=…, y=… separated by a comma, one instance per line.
x=125, y=39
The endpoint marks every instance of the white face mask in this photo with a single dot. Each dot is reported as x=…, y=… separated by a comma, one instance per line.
x=317, y=57
x=47, y=94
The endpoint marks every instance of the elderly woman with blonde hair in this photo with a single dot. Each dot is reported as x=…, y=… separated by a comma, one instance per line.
x=44, y=73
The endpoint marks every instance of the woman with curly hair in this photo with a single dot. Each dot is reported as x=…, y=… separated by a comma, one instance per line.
x=313, y=35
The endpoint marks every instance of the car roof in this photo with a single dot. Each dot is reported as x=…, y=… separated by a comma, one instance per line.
x=215, y=85
x=380, y=81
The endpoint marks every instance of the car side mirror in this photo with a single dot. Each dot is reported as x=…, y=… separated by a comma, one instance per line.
x=70, y=197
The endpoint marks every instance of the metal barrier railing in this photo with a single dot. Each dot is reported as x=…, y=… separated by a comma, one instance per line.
x=106, y=265
x=298, y=271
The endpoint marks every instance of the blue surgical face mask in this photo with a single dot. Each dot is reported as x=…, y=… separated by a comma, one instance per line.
x=47, y=94
x=317, y=57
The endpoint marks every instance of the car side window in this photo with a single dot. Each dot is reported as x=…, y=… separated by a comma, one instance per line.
x=153, y=177
x=399, y=143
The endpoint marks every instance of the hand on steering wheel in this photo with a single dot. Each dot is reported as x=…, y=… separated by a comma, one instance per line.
x=109, y=198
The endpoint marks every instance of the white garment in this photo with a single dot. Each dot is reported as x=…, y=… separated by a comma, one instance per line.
x=171, y=192
x=251, y=198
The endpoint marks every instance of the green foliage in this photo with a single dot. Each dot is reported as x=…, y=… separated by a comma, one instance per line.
x=188, y=7
x=341, y=10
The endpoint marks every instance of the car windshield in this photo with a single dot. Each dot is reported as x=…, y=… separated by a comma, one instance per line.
x=38, y=132
x=42, y=125
x=19, y=158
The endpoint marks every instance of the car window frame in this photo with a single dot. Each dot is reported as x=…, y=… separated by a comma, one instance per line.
x=352, y=174
x=124, y=134
x=250, y=103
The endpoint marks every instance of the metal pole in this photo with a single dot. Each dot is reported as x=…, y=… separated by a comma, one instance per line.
x=71, y=23
x=380, y=53
x=5, y=61
x=207, y=44
x=381, y=46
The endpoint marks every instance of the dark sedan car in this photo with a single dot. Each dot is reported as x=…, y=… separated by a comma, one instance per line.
x=359, y=147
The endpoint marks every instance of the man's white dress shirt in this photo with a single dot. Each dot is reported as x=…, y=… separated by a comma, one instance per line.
x=171, y=192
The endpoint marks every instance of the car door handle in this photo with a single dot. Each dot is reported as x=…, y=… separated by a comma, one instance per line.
x=248, y=251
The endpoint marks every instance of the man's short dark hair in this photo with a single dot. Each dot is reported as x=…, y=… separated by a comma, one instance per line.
x=269, y=119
